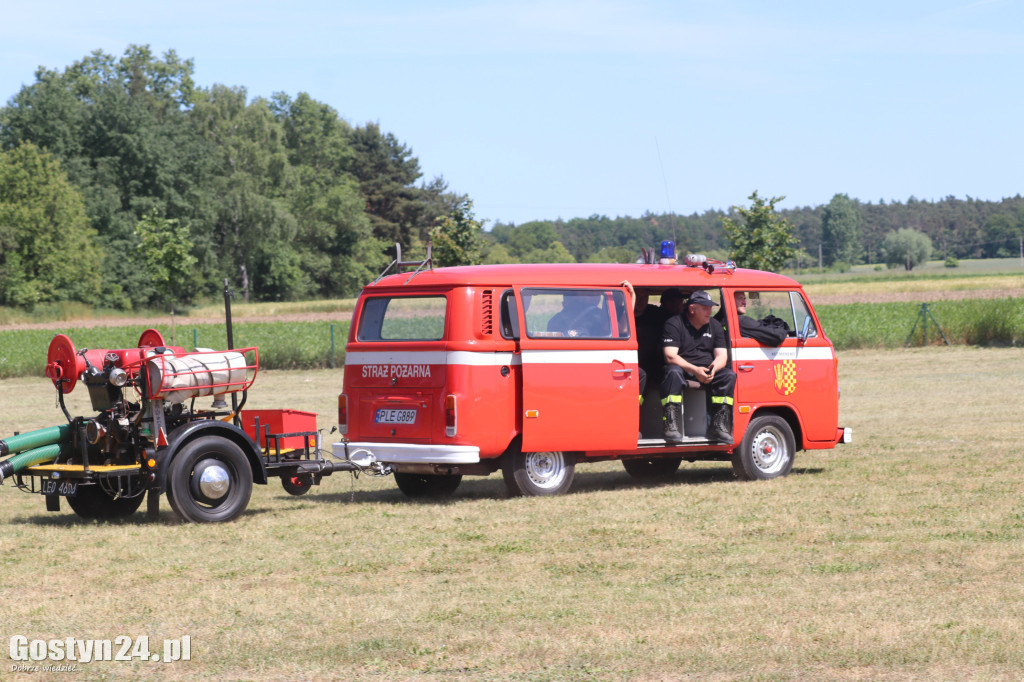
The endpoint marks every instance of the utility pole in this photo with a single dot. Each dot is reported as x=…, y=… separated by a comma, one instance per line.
x=819, y=256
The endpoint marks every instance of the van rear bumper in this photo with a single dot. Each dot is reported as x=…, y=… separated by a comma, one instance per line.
x=408, y=453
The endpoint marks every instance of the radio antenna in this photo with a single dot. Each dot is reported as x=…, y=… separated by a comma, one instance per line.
x=668, y=201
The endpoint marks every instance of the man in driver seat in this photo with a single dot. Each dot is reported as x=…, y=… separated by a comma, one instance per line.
x=580, y=315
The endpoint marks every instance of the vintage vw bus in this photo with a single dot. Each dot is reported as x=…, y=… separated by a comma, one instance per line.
x=532, y=369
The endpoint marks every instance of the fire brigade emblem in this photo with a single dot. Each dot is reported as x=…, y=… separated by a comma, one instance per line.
x=785, y=376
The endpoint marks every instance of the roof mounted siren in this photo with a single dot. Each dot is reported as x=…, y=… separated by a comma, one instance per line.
x=699, y=260
x=667, y=255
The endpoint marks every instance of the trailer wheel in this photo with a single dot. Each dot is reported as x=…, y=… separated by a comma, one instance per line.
x=538, y=473
x=767, y=450
x=209, y=480
x=427, y=485
x=299, y=484
x=653, y=469
x=92, y=502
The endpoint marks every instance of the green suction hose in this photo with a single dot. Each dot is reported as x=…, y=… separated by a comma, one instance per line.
x=35, y=439
x=13, y=465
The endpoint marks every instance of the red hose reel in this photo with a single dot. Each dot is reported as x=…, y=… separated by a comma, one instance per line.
x=64, y=364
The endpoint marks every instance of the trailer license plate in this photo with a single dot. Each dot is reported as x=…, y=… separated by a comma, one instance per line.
x=396, y=416
x=53, y=486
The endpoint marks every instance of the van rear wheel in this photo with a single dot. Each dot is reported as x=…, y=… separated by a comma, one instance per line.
x=767, y=450
x=427, y=485
x=538, y=473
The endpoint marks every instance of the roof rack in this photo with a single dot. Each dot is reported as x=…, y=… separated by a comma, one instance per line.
x=398, y=263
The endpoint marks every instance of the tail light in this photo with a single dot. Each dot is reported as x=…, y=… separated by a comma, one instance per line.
x=342, y=413
x=450, y=416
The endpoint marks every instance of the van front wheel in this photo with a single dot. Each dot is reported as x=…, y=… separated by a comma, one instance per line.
x=767, y=450
x=538, y=473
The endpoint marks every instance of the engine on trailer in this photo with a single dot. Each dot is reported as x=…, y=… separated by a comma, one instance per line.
x=142, y=394
x=148, y=437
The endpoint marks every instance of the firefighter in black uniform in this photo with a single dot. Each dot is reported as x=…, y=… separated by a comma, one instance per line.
x=696, y=349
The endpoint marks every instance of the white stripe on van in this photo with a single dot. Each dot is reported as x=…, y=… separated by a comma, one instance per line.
x=403, y=357
x=467, y=357
x=481, y=359
x=579, y=357
x=431, y=357
x=790, y=353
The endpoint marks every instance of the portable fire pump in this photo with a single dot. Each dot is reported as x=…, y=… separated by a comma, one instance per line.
x=149, y=436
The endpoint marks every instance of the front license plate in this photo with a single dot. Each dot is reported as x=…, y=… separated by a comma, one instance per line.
x=53, y=486
x=395, y=416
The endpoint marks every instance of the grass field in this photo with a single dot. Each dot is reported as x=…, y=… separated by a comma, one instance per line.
x=900, y=556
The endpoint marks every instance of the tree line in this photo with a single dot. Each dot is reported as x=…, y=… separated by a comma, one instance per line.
x=836, y=235
x=111, y=158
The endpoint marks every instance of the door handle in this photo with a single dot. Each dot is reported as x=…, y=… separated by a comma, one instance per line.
x=627, y=370
x=745, y=368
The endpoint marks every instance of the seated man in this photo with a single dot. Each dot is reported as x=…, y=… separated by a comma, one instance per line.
x=695, y=348
x=764, y=331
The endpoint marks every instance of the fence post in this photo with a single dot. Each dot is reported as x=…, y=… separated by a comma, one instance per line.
x=332, y=346
x=195, y=337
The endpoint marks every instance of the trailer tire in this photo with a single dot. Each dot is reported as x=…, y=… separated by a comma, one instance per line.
x=297, y=484
x=767, y=450
x=529, y=474
x=652, y=469
x=210, y=480
x=427, y=485
x=92, y=502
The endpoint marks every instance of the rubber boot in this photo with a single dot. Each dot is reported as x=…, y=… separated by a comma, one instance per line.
x=673, y=417
x=721, y=424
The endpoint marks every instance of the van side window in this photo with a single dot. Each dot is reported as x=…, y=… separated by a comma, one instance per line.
x=509, y=316
x=576, y=313
x=789, y=306
x=402, y=318
x=801, y=313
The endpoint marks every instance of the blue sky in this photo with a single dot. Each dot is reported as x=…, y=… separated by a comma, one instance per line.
x=564, y=108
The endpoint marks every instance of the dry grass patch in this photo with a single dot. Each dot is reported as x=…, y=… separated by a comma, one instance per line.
x=909, y=284
x=896, y=557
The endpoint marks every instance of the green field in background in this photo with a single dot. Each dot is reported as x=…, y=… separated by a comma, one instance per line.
x=308, y=345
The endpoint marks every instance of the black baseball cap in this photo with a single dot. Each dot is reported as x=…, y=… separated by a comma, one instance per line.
x=701, y=298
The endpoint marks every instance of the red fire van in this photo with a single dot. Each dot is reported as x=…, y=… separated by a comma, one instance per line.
x=532, y=369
